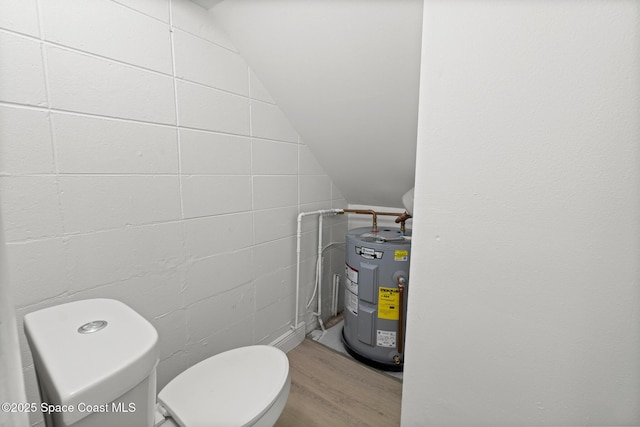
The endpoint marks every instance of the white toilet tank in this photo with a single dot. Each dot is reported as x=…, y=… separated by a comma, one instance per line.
x=96, y=364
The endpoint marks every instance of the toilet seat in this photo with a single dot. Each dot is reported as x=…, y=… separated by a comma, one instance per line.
x=234, y=388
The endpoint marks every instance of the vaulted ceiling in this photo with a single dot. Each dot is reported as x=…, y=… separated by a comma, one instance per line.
x=346, y=74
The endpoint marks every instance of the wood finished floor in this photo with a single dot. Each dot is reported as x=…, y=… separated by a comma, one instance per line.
x=330, y=389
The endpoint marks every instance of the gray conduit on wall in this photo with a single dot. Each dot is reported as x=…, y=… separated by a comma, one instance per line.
x=320, y=213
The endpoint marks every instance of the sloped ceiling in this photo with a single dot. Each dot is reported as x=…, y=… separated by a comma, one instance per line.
x=346, y=74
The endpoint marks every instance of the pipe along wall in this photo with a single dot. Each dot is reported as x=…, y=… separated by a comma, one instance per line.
x=375, y=287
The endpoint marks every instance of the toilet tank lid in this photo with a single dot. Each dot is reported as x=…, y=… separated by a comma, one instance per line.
x=235, y=387
x=94, y=365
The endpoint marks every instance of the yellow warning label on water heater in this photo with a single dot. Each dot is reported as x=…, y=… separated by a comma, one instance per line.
x=388, y=303
x=401, y=255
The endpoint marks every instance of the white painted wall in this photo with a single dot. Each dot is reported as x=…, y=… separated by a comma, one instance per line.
x=141, y=159
x=525, y=302
x=346, y=74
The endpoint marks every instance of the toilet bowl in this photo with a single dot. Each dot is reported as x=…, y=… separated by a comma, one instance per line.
x=247, y=386
x=96, y=361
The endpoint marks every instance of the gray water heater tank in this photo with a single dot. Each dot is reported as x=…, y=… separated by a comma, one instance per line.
x=376, y=285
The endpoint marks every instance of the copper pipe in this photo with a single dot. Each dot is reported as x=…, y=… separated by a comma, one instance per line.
x=401, y=218
x=366, y=212
x=401, y=282
x=389, y=213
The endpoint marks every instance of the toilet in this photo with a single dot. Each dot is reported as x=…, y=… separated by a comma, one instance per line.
x=96, y=361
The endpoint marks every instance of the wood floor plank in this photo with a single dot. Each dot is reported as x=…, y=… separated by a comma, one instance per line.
x=330, y=389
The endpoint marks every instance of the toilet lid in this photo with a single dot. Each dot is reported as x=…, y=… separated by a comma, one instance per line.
x=233, y=388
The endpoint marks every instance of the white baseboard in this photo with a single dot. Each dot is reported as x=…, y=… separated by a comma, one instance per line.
x=291, y=339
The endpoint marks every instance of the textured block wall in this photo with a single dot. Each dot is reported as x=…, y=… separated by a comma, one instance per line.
x=141, y=159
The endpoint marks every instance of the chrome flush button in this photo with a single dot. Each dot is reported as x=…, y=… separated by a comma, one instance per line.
x=91, y=327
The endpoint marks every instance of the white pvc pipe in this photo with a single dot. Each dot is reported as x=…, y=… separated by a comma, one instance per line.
x=301, y=215
x=319, y=273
